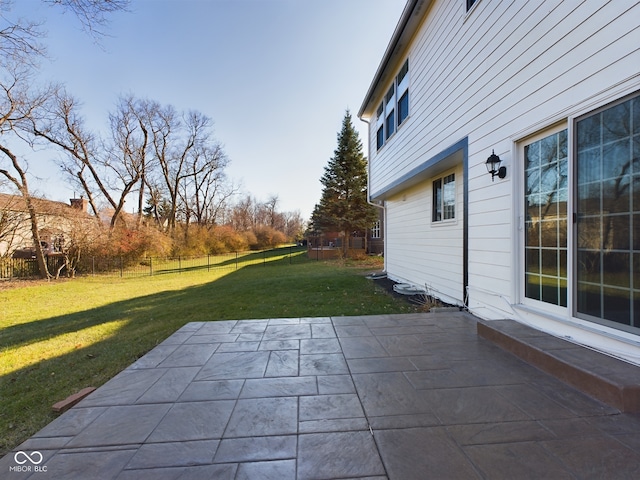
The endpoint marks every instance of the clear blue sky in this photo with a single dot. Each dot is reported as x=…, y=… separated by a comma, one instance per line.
x=276, y=77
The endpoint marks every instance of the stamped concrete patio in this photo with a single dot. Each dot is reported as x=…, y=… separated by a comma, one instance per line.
x=399, y=396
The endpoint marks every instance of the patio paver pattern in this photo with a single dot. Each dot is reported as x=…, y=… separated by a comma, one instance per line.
x=404, y=397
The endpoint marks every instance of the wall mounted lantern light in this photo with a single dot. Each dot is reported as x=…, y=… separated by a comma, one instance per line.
x=494, y=168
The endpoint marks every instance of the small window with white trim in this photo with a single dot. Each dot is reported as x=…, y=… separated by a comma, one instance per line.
x=375, y=230
x=444, y=198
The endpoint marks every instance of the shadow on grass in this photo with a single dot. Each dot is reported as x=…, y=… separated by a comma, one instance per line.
x=235, y=261
x=191, y=302
x=299, y=290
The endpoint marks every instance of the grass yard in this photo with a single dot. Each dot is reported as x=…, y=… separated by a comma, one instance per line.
x=57, y=338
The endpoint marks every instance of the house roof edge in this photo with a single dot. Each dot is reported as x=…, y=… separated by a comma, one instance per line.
x=405, y=27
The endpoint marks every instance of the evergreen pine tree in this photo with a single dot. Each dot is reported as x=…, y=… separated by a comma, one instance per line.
x=343, y=206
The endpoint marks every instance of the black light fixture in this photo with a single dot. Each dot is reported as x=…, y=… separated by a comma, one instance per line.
x=494, y=168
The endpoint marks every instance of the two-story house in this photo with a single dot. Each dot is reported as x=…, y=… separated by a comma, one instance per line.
x=504, y=147
x=56, y=220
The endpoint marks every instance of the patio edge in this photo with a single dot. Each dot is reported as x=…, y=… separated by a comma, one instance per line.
x=608, y=379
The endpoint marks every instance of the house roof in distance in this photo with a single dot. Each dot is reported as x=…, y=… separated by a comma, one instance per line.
x=42, y=205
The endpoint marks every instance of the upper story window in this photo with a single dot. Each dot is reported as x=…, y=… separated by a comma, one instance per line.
x=380, y=137
x=394, y=109
x=470, y=4
x=403, y=107
x=403, y=72
x=389, y=96
x=390, y=124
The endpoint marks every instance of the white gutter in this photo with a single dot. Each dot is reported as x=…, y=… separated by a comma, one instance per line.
x=369, y=166
x=380, y=206
x=405, y=28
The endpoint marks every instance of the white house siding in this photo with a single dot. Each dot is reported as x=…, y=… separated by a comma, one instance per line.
x=495, y=75
x=420, y=251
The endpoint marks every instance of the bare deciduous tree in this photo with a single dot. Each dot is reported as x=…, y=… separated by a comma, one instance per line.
x=20, y=49
x=127, y=155
x=242, y=215
x=175, y=164
x=207, y=190
x=271, y=206
x=294, y=224
x=61, y=124
x=78, y=237
x=11, y=218
x=92, y=14
x=20, y=39
x=17, y=105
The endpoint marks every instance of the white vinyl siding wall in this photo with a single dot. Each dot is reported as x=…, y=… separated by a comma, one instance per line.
x=423, y=252
x=504, y=71
x=491, y=73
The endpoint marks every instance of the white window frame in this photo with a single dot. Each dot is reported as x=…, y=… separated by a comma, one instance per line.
x=539, y=305
x=606, y=106
x=375, y=229
x=389, y=105
x=441, y=178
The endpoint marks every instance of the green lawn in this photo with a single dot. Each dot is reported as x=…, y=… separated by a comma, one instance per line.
x=60, y=337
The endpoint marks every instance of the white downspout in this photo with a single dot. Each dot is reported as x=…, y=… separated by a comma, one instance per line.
x=382, y=207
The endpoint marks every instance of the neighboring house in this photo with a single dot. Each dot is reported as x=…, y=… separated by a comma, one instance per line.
x=372, y=244
x=328, y=241
x=55, y=221
x=553, y=88
x=375, y=236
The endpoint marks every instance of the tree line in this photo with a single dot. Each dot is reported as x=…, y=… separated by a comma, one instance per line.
x=168, y=163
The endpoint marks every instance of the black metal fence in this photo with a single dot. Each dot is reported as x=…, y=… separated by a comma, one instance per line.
x=11, y=268
x=26, y=267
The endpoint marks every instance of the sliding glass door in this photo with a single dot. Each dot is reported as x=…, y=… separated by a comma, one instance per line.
x=545, y=195
x=607, y=153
